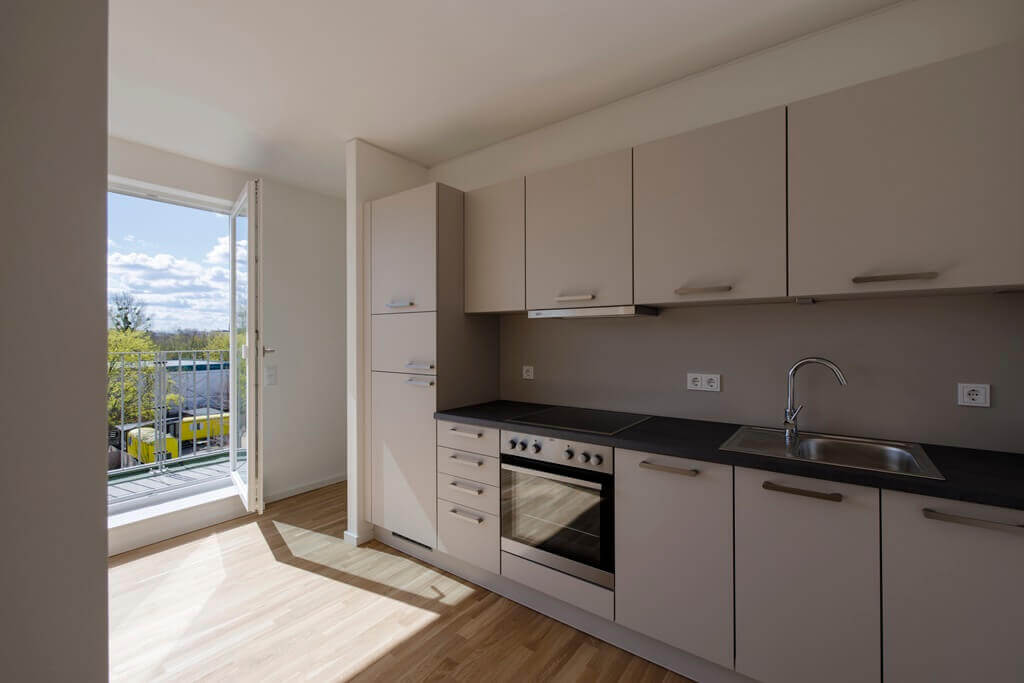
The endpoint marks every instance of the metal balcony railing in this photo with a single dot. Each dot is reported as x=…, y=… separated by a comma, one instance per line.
x=166, y=408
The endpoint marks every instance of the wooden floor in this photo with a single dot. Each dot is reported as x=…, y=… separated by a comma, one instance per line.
x=282, y=597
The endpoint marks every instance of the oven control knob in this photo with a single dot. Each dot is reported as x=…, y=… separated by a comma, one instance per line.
x=522, y=445
x=597, y=459
x=512, y=443
x=535, y=447
x=569, y=454
x=585, y=457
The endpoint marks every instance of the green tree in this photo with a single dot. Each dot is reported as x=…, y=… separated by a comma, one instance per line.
x=128, y=313
x=130, y=356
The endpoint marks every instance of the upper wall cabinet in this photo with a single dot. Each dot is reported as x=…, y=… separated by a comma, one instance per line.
x=710, y=213
x=403, y=264
x=912, y=181
x=579, y=237
x=495, y=248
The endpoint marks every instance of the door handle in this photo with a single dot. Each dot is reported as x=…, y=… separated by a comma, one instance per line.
x=575, y=297
x=672, y=470
x=465, y=435
x=419, y=382
x=892, y=277
x=465, y=487
x=267, y=349
x=832, y=497
x=466, y=461
x=400, y=303
x=971, y=521
x=473, y=519
x=413, y=365
x=715, y=289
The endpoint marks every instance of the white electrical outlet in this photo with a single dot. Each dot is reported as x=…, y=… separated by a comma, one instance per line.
x=978, y=395
x=527, y=372
x=697, y=381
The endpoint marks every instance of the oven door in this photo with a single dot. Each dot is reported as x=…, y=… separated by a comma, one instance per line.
x=560, y=517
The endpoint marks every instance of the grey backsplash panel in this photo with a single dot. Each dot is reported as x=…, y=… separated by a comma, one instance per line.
x=902, y=356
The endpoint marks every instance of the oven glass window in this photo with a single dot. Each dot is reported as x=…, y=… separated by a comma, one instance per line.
x=556, y=516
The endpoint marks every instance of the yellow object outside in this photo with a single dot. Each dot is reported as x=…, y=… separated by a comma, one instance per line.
x=145, y=438
x=201, y=427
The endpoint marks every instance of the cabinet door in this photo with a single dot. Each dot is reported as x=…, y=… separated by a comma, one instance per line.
x=807, y=580
x=468, y=534
x=404, y=484
x=496, y=248
x=916, y=176
x=673, y=552
x=404, y=343
x=710, y=213
x=951, y=586
x=579, y=234
x=403, y=239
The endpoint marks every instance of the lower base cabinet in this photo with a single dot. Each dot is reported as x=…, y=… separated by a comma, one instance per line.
x=673, y=552
x=807, y=580
x=469, y=535
x=952, y=598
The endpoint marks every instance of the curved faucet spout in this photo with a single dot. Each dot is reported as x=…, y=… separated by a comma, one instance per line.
x=791, y=411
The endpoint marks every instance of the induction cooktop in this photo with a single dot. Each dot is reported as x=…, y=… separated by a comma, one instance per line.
x=605, y=422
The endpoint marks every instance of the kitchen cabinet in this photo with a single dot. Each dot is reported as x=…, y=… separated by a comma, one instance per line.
x=405, y=343
x=807, y=579
x=469, y=535
x=674, y=552
x=710, y=213
x=496, y=248
x=579, y=237
x=402, y=451
x=952, y=601
x=911, y=182
x=403, y=246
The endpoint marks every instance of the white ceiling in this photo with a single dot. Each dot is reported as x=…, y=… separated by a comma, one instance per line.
x=277, y=87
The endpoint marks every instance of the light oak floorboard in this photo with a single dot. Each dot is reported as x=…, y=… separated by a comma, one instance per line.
x=282, y=597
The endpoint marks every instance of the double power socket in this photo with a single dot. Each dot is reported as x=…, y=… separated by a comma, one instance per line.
x=698, y=381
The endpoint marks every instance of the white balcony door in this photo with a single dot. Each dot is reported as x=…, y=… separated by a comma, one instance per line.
x=246, y=349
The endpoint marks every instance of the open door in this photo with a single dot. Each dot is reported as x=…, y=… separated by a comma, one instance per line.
x=246, y=350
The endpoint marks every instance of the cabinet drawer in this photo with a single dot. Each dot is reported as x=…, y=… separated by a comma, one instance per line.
x=470, y=438
x=467, y=492
x=576, y=592
x=468, y=535
x=457, y=463
x=405, y=343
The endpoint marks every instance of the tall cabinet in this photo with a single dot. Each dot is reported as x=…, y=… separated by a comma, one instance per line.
x=425, y=353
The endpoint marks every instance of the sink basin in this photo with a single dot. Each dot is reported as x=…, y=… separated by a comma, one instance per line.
x=894, y=457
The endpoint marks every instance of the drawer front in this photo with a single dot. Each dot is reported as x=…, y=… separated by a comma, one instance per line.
x=465, y=465
x=463, y=437
x=405, y=343
x=577, y=592
x=469, y=535
x=467, y=492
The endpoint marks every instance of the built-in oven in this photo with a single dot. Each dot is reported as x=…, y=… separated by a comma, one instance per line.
x=557, y=505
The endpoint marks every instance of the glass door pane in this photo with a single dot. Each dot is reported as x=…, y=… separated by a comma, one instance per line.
x=245, y=349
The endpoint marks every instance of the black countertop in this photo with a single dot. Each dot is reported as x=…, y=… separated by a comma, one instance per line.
x=977, y=476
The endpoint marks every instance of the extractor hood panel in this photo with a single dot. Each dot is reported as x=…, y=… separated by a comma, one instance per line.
x=594, y=312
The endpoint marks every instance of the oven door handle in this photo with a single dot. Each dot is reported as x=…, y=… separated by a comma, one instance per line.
x=553, y=477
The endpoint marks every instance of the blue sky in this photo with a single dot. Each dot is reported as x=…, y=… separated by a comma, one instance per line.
x=173, y=258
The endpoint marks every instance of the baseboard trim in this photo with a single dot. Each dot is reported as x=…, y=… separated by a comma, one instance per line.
x=304, y=488
x=683, y=663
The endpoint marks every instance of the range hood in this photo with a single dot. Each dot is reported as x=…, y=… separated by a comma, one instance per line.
x=594, y=312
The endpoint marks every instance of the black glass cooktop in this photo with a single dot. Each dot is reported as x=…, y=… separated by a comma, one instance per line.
x=581, y=420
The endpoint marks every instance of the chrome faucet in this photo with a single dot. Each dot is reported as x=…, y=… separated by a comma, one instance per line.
x=792, y=433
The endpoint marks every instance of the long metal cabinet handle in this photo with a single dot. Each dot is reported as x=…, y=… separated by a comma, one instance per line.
x=834, y=497
x=466, y=487
x=971, y=521
x=575, y=297
x=892, y=277
x=413, y=365
x=400, y=303
x=716, y=289
x=466, y=435
x=419, y=382
x=466, y=461
x=673, y=470
x=466, y=517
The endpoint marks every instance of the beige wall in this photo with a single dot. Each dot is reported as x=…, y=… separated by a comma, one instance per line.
x=53, y=158
x=303, y=311
x=907, y=35
x=902, y=356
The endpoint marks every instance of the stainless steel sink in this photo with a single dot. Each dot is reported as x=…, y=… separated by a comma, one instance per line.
x=842, y=451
